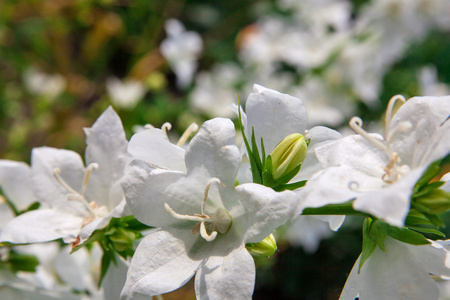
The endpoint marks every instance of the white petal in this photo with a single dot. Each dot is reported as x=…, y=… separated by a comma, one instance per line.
x=261, y=210
x=44, y=161
x=274, y=116
x=15, y=182
x=42, y=225
x=213, y=152
x=428, y=138
x=159, y=265
x=318, y=136
x=390, y=203
x=106, y=146
x=400, y=272
x=153, y=146
x=229, y=277
x=147, y=190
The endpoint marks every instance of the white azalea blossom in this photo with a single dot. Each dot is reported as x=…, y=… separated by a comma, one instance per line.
x=382, y=172
x=205, y=221
x=403, y=271
x=76, y=200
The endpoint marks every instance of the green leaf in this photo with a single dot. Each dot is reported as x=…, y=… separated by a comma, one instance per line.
x=407, y=236
x=107, y=258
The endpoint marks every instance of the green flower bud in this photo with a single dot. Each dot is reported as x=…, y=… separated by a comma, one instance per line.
x=287, y=156
x=122, y=239
x=266, y=247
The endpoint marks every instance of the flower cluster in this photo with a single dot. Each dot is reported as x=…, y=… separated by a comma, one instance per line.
x=202, y=207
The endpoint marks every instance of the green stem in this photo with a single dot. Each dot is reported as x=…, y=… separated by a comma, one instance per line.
x=334, y=209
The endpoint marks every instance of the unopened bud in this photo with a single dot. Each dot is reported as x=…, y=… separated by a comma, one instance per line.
x=436, y=201
x=266, y=247
x=288, y=155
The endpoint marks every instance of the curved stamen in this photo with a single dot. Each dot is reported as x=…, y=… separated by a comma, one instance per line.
x=389, y=111
x=356, y=124
x=92, y=166
x=186, y=134
x=57, y=175
x=204, y=233
x=205, y=193
x=166, y=127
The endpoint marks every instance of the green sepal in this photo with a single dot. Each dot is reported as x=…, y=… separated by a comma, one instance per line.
x=427, y=230
x=256, y=173
x=416, y=218
x=290, y=186
x=407, y=236
x=286, y=178
x=369, y=244
x=22, y=262
x=255, y=152
x=429, y=174
x=434, y=201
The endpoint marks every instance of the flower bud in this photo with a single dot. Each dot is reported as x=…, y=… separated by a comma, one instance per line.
x=435, y=202
x=266, y=247
x=288, y=155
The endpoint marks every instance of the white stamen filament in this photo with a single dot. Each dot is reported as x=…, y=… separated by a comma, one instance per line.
x=166, y=127
x=186, y=134
x=92, y=166
x=74, y=195
x=356, y=125
x=218, y=219
x=393, y=171
x=388, y=117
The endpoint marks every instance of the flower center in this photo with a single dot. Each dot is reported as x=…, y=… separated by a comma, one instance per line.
x=219, y=221
x=92, y=208
x=393, y=170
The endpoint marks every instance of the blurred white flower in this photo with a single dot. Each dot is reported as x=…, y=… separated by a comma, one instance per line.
x=429, y=84
x=125, y=94
x=182, y=50
x=42, y=84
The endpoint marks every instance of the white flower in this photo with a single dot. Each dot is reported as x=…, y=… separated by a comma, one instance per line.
x=153, y=146
x=40, y=83
x=401, y=272
x=181, y=49
x=125, y=94
x=76, y=200
x=381, y=172
x=205, y=221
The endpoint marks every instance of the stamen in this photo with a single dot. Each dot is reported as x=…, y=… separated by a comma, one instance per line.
x=205, y=193
x=356, y=124
x=205, y=235
x=148, y=126
x=166, y=127
x=89, y=169
x=57, y=175
x=196, y=218
x=389, y=110
x=192, y=128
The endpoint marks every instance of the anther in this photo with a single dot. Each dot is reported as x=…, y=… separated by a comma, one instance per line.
x=166, y=127
x=389, y=111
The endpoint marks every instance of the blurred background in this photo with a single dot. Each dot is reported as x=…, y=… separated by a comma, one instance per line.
x=63, y=62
